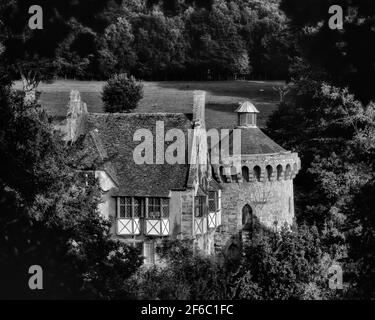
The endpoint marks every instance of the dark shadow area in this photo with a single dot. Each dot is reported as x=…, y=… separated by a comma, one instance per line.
x=252, y=229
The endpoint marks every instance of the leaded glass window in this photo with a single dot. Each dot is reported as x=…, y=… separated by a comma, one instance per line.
x=212, y=201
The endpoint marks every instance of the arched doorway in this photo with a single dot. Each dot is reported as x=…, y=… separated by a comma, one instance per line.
x=233, y=253
x=247, y=218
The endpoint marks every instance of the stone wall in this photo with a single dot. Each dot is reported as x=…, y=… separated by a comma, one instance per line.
x=187, y=209
x=272, y=204
x=206, y=242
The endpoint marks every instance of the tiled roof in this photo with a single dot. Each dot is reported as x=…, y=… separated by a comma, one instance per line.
x=113, y=136
x=90, y=154
x=254, y=141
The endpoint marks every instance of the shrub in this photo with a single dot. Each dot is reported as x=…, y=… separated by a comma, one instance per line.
x=184, y=274
x=121, y=94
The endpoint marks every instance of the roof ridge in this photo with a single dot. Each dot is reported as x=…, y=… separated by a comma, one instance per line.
x=139, y=113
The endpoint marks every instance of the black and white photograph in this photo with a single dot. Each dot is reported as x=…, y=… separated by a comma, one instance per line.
x=210, y=152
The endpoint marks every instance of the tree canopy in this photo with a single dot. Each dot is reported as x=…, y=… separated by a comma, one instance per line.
x=49, y=215
x=30, y=54
x=346, y=54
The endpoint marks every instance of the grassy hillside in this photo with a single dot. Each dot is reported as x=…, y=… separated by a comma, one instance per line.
x=222, y=98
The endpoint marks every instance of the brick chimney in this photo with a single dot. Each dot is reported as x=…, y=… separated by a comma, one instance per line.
x=77, y=111
x=199, y=107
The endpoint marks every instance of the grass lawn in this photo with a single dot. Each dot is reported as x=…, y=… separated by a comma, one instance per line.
x=221, y=100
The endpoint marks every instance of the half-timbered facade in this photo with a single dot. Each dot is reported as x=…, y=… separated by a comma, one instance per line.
x=148, y=202
x=211, y=204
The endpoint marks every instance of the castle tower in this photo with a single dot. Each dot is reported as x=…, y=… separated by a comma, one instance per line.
x=259, y=188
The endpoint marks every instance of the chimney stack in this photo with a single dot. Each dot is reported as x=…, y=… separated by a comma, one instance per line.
x=199, y=107
x=77, y=111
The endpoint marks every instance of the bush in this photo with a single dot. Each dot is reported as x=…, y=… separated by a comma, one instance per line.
x=291, y=264
x=182, y=275
x=121, y=94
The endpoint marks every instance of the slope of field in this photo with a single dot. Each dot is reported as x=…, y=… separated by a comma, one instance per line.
x=222, y=98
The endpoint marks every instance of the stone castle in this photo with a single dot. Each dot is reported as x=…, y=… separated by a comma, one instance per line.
x=212, y=205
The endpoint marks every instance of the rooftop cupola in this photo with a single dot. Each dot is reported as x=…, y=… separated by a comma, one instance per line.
x=247, y=115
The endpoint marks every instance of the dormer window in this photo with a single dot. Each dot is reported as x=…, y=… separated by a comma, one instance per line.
x=247, y=114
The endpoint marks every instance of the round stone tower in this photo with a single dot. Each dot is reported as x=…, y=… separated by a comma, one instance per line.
x=259, y=187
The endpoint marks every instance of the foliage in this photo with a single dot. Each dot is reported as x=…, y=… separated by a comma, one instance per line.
x=330, y=130
x=158, y=44
x=49, y=215
x=362, y=241
x=215, y=49
x=31, y=54
x=267, y=38
x=75, y=54
x=184, y=274
x=116, y=54
x=121, y=93
x=334, y=136
x=274, y=266
x=285, y=265
x=164, y=40
x=347, y=55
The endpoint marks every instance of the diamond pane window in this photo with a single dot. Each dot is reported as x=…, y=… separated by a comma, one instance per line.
x=200, y=206
x=154, y=208
x=125, y=207
x=139, y=207
x=165, y=208
x=128, y=207
x=212, y=201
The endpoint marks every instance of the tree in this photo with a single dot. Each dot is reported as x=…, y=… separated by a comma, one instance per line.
x=30, y=54
x=49, y=215
x=347, y=55
x=291, y=264
x=334, y=136
x=121, y=94
x=71, y=59
x=184, y=274
x=215, y=49
x=176, y=6
x=268, y=41
x=362, y=238
x=324, y=124
x=159, y=45
x=116, y=54
x=285, y=265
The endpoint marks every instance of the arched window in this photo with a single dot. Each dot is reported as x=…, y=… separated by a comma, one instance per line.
x=233, y=252
x=287, y=171
x=279, y=169
x=257, y=172
x=247, y=218
x=245, y=173
x=269, y=172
